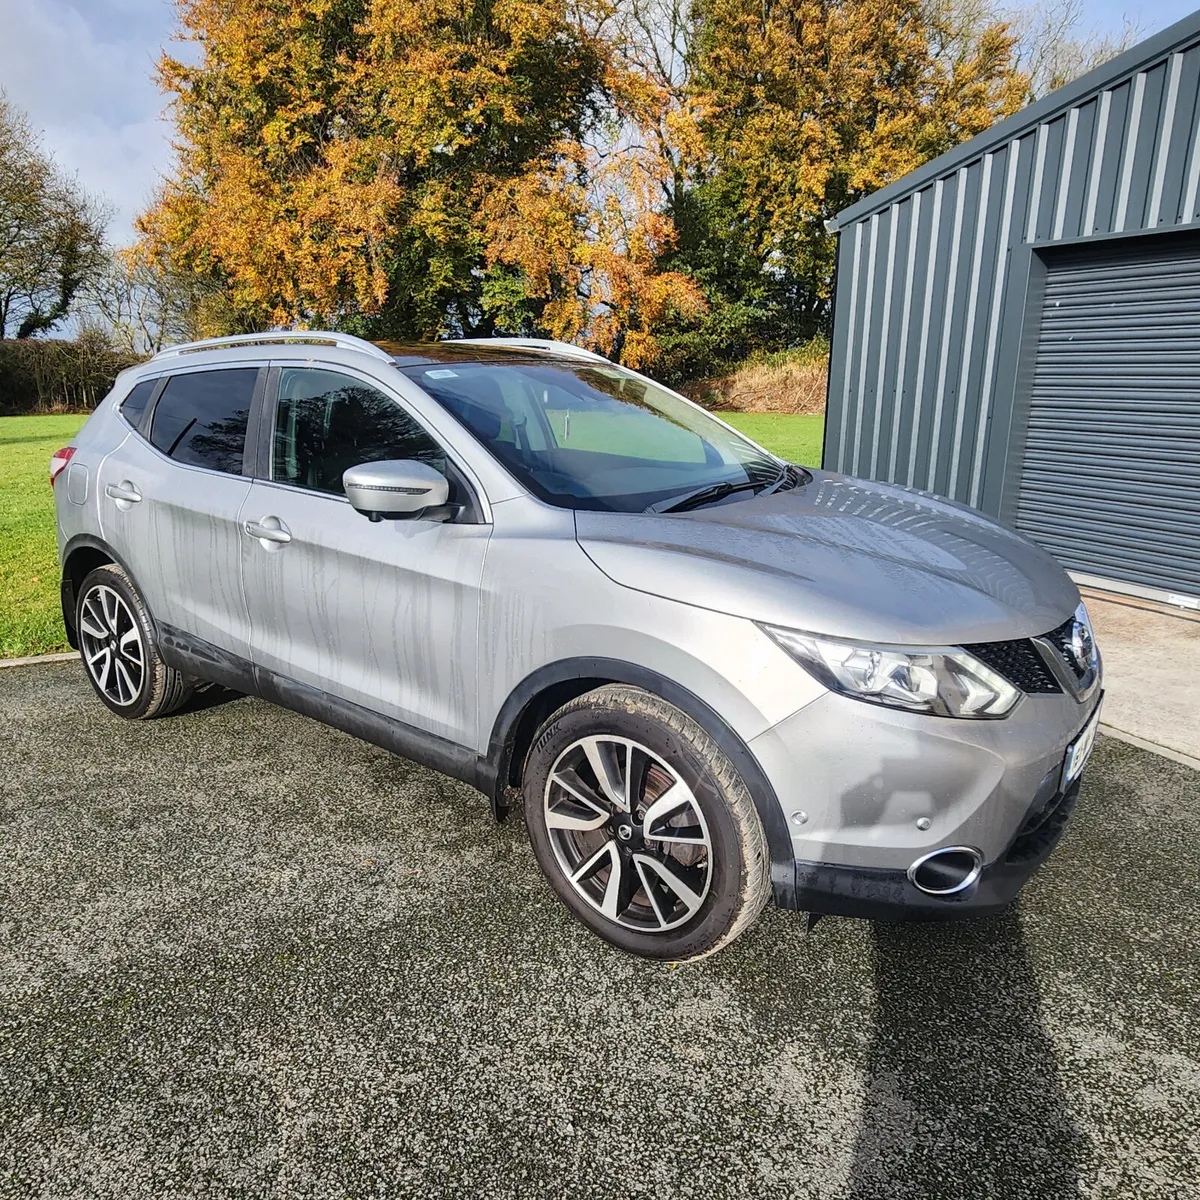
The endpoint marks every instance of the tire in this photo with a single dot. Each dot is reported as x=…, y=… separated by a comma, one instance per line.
x=679, y=873
x=119, y=649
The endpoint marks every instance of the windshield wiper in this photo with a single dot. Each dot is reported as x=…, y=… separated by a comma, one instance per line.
x=789, y=477
x=713, y=491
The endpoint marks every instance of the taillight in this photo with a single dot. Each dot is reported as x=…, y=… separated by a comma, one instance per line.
x=58, y=460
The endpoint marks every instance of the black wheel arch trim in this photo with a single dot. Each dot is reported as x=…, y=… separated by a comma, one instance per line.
x=67, y=595
x=499, y=762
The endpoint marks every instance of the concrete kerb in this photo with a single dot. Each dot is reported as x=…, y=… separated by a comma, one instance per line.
x=1153, y=747
x=34, y=659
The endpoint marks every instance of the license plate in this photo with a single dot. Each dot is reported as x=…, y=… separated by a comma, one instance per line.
x=1079, y=750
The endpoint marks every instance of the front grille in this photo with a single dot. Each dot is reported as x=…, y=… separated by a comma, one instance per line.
x=1060, y=639
x=1019, y=662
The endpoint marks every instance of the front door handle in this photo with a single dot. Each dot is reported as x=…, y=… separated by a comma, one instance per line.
x=123, y=492
x=269, y=529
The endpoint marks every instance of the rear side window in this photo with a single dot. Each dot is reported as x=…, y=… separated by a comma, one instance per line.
x=133, y=407
x=201, y=418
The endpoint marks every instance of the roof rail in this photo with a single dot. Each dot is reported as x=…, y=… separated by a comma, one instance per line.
x=344, y=341
x=523, y=343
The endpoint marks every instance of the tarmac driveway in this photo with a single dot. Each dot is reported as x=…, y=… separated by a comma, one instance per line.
x=242, y=954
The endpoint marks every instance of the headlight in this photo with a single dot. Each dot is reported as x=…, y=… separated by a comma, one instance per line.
x=945, y=683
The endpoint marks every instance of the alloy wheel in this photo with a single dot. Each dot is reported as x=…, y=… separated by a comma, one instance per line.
x=111, y=642
x=628, y=833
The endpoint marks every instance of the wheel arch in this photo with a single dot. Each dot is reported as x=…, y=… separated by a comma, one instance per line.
x=81, y=555
x=551, y=686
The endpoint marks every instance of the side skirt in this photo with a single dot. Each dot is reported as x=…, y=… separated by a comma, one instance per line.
x=195, y=656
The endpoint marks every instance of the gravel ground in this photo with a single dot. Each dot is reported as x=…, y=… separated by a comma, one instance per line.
x=245, y=955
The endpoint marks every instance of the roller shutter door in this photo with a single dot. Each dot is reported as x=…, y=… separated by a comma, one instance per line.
x=1110, y=479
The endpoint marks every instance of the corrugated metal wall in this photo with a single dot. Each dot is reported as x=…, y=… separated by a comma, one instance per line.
x=934, y=272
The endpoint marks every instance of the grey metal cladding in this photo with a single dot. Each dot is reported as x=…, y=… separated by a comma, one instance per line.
x=934, y=270
x=1112, y=433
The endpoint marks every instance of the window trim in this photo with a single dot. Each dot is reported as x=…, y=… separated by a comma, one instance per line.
x=475, y=509
x=264, y=425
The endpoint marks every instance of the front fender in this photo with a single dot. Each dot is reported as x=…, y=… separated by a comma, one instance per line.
x=526, y=707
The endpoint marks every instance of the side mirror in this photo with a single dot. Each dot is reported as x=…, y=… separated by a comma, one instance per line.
x=395, y=488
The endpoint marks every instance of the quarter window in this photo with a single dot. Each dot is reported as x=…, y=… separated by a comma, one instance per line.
x=326, y=422
x=201, y=418
x=133, y=407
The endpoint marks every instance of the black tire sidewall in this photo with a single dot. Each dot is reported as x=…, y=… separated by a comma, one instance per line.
x=113, y=578
x=723, y=902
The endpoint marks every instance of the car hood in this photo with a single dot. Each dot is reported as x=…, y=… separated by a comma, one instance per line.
x=843, y=557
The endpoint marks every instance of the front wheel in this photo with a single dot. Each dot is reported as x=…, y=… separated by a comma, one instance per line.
x=643, y=827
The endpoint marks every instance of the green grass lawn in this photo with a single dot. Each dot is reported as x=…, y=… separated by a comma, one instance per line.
x=796, y=438
x=30, y=621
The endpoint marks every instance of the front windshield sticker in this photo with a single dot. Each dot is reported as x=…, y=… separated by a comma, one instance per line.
x=441, y=374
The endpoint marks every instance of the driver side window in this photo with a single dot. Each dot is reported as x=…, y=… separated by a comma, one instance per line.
x=327, y=422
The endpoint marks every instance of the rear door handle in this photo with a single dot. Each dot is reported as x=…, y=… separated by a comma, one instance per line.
x=269, y=529
x=123, y=491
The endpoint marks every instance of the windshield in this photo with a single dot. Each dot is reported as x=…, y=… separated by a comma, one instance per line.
x=597, y=437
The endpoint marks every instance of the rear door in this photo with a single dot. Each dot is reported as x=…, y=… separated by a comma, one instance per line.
x=170, y=497
x=382, y=614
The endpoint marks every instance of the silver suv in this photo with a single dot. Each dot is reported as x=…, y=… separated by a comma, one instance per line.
x=713, y=678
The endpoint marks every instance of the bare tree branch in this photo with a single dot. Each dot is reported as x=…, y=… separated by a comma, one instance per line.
x=51, y=232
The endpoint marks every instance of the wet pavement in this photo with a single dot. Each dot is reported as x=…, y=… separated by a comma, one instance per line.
x=245, y=955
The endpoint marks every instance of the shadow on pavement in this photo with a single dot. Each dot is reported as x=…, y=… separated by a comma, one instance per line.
x=963, y=1095
x=210, y=695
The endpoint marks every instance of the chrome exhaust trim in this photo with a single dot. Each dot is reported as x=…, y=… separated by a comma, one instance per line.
x=946, y=871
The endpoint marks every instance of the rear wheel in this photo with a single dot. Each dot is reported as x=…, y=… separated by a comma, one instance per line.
x=643, y=827
x=120, y=651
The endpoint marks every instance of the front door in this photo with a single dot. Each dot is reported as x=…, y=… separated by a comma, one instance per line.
x=383, y=614
x=170, y=504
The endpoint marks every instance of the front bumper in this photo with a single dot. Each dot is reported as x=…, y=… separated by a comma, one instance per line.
x=861, y=785
x=889, y=895
x=866, y=791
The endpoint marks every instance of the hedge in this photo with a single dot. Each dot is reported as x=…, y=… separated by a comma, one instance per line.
x=43, y=375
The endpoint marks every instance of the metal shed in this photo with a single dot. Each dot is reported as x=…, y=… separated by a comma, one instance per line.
x=1017, y=323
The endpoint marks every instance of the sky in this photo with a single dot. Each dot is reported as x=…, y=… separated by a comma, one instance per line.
x=82, y=71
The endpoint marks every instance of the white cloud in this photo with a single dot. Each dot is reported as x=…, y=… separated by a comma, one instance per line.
x=83, y=72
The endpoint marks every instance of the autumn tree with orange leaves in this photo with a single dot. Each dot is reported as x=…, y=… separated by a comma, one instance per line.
x=803, y=107
x=623, y=173
x=405, y=169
